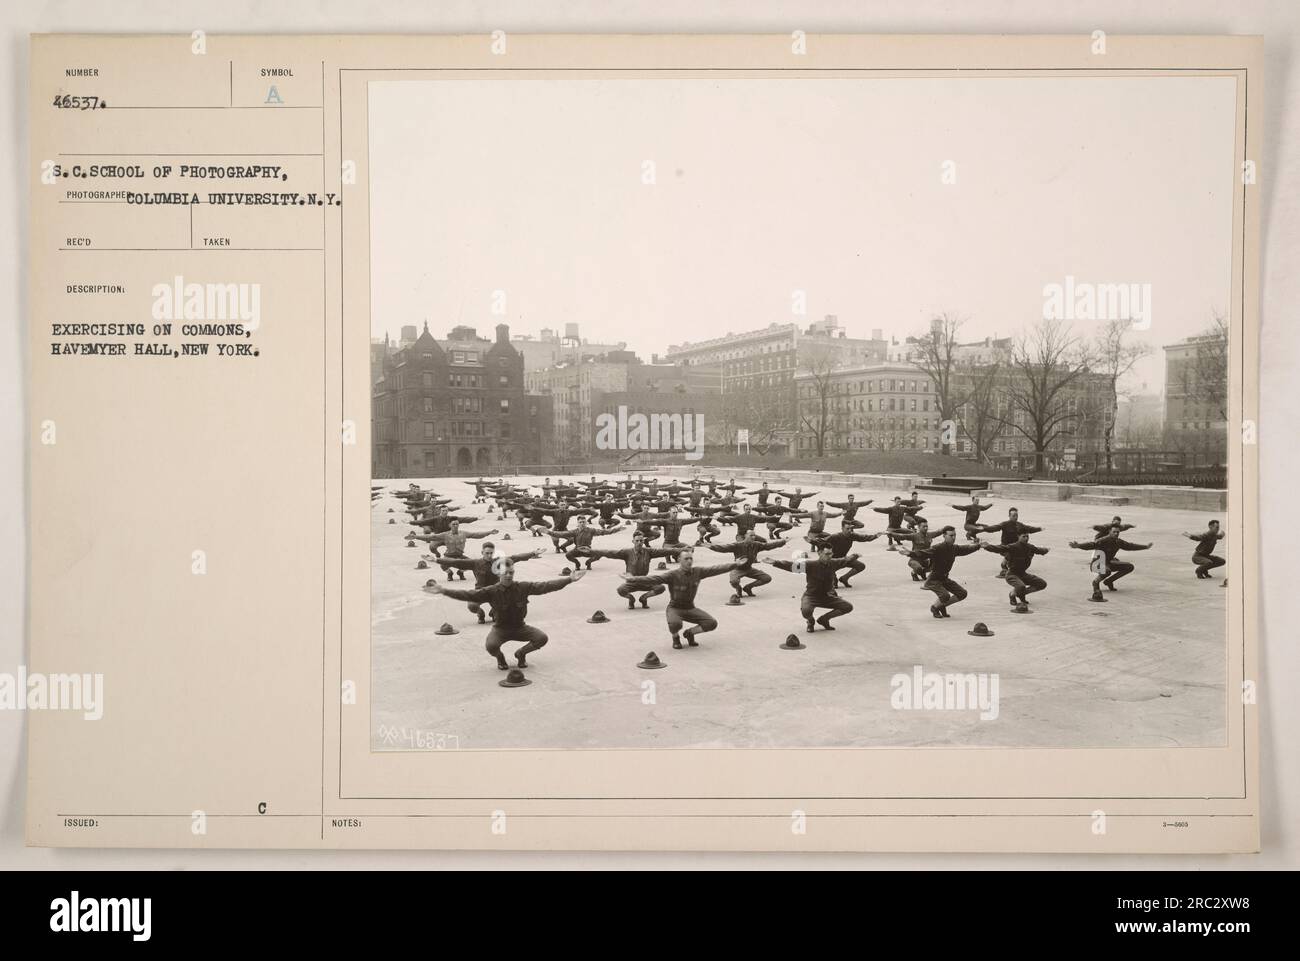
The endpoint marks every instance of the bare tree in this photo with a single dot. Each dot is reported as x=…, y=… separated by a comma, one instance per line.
x=764, y=413
x=1114, y=357
x=977, y=417
x=1046, y=365
x=816, y=414
x=938, y=359
x=1210, y=367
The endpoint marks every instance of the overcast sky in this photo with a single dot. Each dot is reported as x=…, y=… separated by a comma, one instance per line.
x=534, y=187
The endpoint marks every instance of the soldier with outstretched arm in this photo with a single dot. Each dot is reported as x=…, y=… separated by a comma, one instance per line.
x=509, y=600
x=840, y=544
x=819, y=585
x=1204, y=557
x=683, y=584
x=485, y=569
x=636, y=559
x=941, y=558
x=1018, y=557
x=1105, y=564
x=746, y=549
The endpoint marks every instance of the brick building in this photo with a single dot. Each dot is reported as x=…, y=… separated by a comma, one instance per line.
x=459, y=404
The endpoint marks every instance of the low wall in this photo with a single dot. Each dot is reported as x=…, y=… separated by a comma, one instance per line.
x=1146, y=495
x=810, y=480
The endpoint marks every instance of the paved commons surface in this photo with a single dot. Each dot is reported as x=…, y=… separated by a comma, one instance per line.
x=1146, y=669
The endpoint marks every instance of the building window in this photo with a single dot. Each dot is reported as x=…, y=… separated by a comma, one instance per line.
x=505, y=405
x=427, y=404
x=426, y=379
x=428, y=430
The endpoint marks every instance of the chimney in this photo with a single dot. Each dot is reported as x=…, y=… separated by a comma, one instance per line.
x=503, y=333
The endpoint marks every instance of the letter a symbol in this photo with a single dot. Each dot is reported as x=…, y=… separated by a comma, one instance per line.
x=273, y=96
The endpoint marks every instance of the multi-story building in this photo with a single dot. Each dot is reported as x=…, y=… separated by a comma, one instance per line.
x=894, y=406
x=456, y=404
x=759, y=367
x=571, y=385
x=1196, y=394
x=889, y=406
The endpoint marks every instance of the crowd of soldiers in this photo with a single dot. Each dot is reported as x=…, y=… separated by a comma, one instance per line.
x=572, y=518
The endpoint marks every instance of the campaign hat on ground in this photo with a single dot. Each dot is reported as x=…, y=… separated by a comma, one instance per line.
x=392, y=520
x=515, y=678
x=792, y=643
x=446, y=629
x=980, y=630
x=390, y=510
x=651, y=662
x=422, y=566
x=505, y=537
x=410, y=543
x=1022, y=609
x=598, y=618
x=734, y=601
x=566, y=572
x=1096, y=596
x=662, y=566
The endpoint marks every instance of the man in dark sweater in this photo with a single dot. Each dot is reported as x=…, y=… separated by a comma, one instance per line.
x=744, y=521
x=746, y=549
x=509, y=600
x=485, y=569
x=453, y=540
x=973, y=511
x=817, y=518
x=1102, y=529
x=1019, y=556
x=897, y=513
x=1010, y=529
x=576, y=543
x=849, y=509
x=921, y=538
x=941, y=557
x=636, y=561
x=1105, y=565
x=683, y=584
x=1204, y=557
x=819, y=585
x=797, y=498
x=672, y=527
x=841, y=543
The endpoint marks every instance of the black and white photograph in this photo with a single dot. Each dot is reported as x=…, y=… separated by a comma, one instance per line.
x=833, y=412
